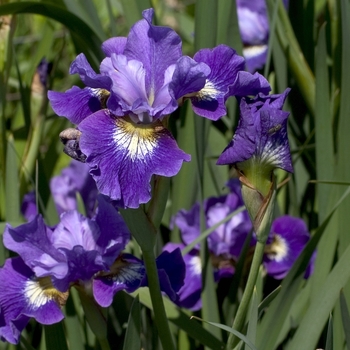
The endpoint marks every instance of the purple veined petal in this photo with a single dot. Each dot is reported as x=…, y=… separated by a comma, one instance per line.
x=128, y=79
x=189, y=77
x=24, y=297
x=76, y=104
x=156, y=47
x=287, y=239
x=129, y=94
x=190, y=292
x=114, y=45
x=32, y=242
x=164, y=103
x=126, y=274
x=261, y=135
x=87, y=75
x=249, y=84
x=126, y=155
x=274, y=146
x=255, y=57
x=225, y=64
x=242, y=145
x=76, y=230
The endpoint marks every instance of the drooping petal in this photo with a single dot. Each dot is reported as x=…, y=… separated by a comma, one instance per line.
x=76, y=104
x=87, y=75
x=126, y=274
x=24, y=297
x=32, y=242
x=189, y=77
x=225, y=64
x=126, y=155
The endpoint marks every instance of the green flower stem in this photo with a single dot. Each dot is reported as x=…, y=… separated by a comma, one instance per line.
x=145, y=232
x=96, y=317
x=157, y=301
x=262, y=229
x=240, y=317
x=158, y=201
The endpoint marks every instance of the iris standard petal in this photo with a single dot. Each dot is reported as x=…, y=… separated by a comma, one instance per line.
x=156, y=47
x=114, y=45
x=126, y=155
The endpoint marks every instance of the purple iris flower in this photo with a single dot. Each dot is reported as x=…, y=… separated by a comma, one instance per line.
x=225, y=242
x=74, y=179
x=25, y=296
x=142, y=80
x=254, y=29
x=75, y=250
x=261, y=137
x=128, y=273
x=189, y=296
x=224, y=76
x=288, y=237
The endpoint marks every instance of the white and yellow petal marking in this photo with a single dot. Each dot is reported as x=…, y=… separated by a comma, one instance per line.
x=139, y=140
x=195, y=264
x=208, y=93
x=278, y=249
x=40, y=291
x=253, y=51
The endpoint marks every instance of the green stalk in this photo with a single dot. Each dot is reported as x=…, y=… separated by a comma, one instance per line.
x=145, y=232
x=296, y=60
x=262, y=229
x=96, y=317
x=157, y=300
x=240, y=317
